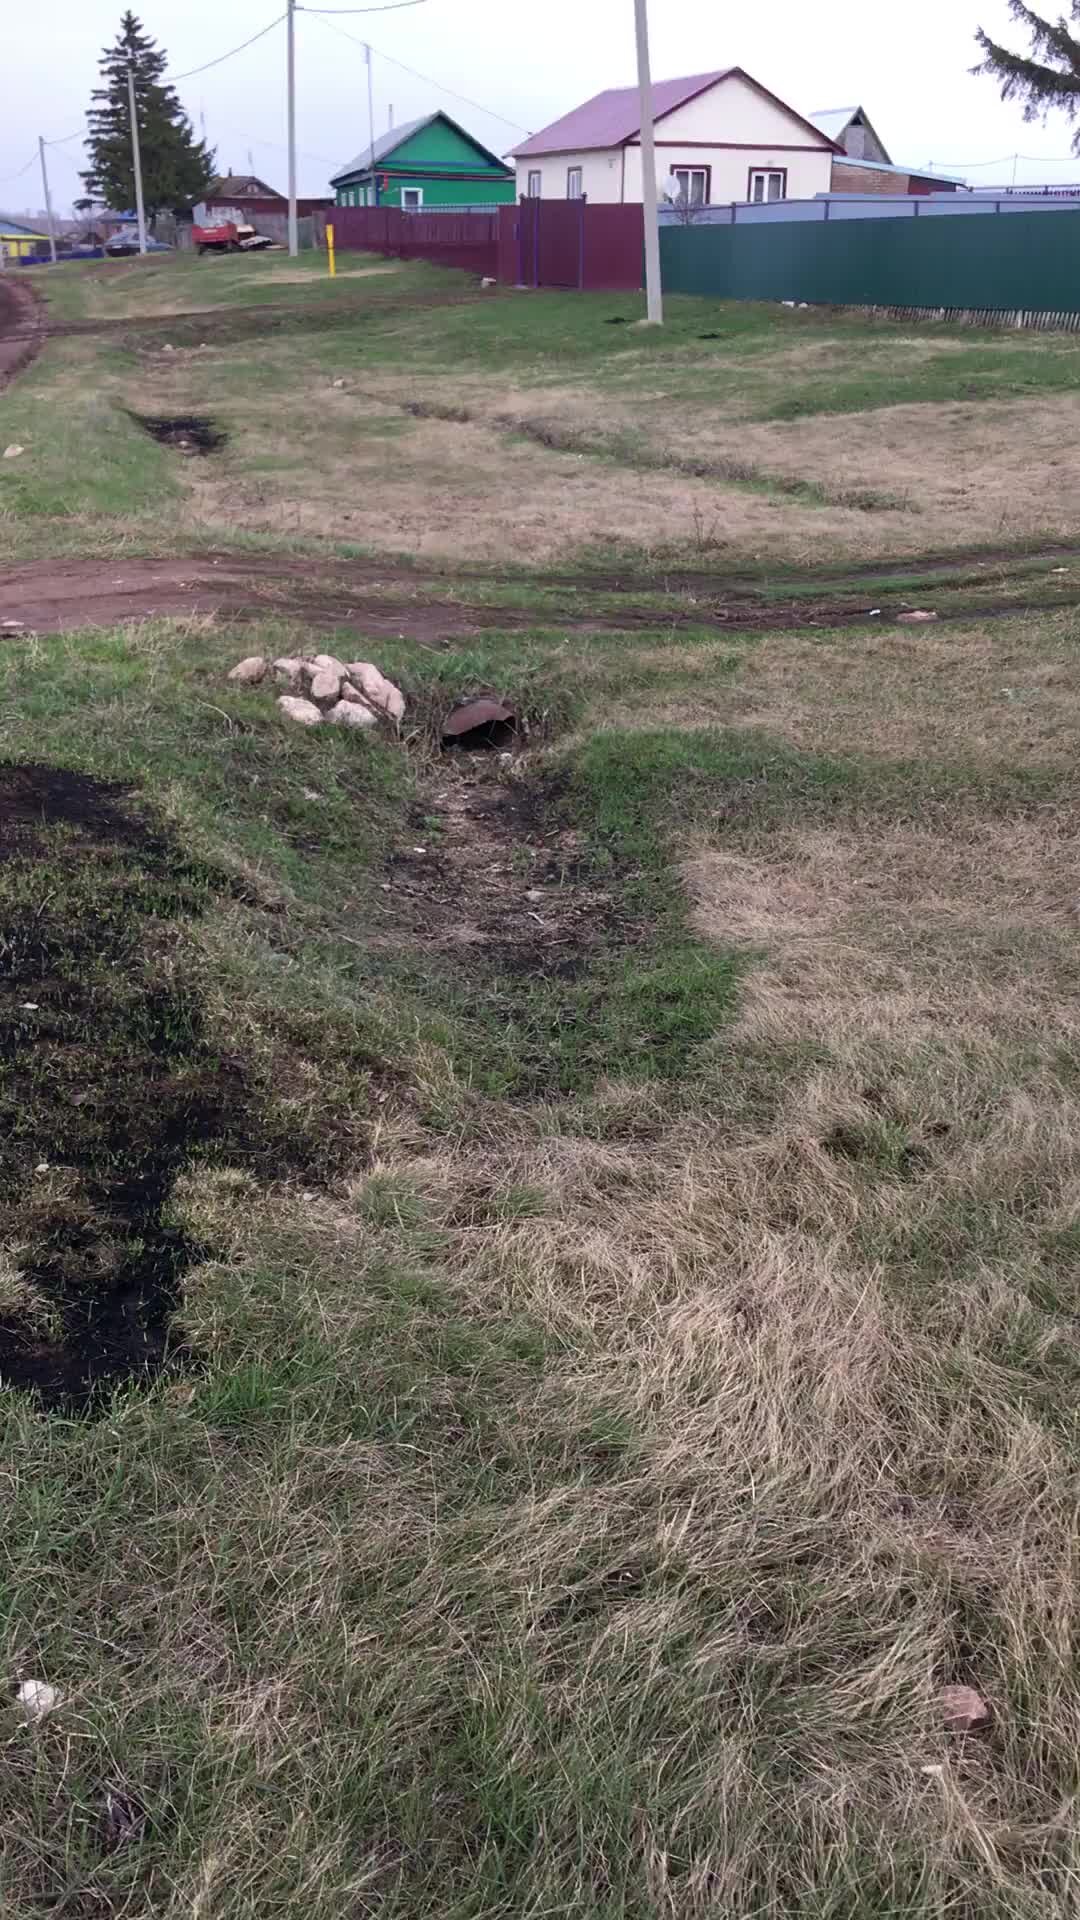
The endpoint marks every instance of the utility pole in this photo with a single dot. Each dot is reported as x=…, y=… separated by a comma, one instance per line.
x=48, y=199
x=654, y=299
x=371, y=124
x=290, y=80
x=136, y=157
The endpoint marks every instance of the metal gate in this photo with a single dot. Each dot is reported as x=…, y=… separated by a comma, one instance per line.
x=551, y=243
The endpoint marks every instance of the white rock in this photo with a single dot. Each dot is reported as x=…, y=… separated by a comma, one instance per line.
x=249, y=672
x=351, y=713
x=338, y=383
x=37, y=1698
x=302, y=711
x=487, y=281
x=13, y=452
x=168, y=349
x=329, y=663
x=325, y=685
x=377, y=689
x=287, y=673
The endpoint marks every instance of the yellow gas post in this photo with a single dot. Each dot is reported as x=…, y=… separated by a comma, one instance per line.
x=330, y=250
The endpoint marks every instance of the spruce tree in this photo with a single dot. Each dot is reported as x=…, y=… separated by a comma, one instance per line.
x=176, y=168
x=1049, y=76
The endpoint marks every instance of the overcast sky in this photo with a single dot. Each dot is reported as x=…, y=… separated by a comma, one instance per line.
x=908, y=68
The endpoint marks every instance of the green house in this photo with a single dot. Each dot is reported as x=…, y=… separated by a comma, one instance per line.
x=426, y=164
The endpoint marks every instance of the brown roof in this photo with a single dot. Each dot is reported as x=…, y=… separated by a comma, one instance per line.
x=613, y=119
x=242, y=186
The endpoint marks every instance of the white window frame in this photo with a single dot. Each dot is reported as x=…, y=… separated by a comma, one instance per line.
x=762, y=176
x=685, y=195
x=535, y=184
x=418, y=205
x=578, y=174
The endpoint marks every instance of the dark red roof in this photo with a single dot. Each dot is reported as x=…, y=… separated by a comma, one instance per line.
x=613, y=118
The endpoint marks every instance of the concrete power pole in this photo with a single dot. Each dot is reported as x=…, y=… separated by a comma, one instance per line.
x=371, y=125
x=137, y=159
x=290, y=78
x=48, y=198
x=654, y=299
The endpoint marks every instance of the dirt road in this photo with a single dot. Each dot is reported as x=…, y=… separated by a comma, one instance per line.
x=376, y=597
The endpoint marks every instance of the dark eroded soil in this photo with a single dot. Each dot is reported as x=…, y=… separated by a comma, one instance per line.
x=497, y=875
x=108, y=1086
x=187, y=432
x=21, y=325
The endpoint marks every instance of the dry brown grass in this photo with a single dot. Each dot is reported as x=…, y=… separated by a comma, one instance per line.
x=978, y=472
x=448, y=490
x=978, y=691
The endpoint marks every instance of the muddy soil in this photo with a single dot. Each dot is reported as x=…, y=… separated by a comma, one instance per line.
x=188, y=433
x=22, y=325
x=497, y=875
x=108, y=1085
x=58, y=596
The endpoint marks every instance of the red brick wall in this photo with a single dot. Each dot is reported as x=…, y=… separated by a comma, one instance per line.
x=866, y=180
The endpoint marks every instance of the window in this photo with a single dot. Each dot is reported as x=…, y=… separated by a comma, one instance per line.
x=691, y=185
x=412, y=199
x=533, y=189
x=767, y=183
x=573, y=183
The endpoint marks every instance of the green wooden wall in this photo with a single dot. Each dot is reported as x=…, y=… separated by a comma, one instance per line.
x=1007, y=261
x=430, y=159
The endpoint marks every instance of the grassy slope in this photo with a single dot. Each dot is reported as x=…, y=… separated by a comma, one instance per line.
x=530, y=426
x=588, y=1480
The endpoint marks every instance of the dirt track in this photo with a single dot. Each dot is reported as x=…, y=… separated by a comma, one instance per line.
x=47, y=596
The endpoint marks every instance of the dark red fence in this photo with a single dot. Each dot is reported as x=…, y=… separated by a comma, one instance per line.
x=568, y=243
x=538, y=243
x=467, y=240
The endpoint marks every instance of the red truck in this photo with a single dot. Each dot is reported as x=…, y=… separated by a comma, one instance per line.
x=229, y=237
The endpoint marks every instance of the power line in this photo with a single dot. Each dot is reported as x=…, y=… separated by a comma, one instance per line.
x=18, y=176
x=395, y=6
x=1037, y=159
x=425, y=77
x=261, y=35
x=79, y=134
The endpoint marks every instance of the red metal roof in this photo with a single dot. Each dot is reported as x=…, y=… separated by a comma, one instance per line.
x=612, y=118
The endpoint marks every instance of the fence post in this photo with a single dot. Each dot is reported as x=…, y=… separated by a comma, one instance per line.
x=581, y=246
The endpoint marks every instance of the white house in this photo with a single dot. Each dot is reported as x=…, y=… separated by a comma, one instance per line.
x=719, y=136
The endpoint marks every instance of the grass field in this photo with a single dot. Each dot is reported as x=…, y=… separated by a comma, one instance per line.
x=580, y=1255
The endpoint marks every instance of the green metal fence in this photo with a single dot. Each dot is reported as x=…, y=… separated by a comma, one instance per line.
x=1003, y=262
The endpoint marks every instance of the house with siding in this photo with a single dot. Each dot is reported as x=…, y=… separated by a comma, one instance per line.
x=425, y=165
x=19, y=240
x=719, y=136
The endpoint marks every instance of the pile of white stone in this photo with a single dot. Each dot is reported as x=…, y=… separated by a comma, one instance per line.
x=319, y=687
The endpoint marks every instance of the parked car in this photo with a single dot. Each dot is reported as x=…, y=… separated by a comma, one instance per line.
x=123, y=244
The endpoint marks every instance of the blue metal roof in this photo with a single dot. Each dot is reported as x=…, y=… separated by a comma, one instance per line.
x=8, y=224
